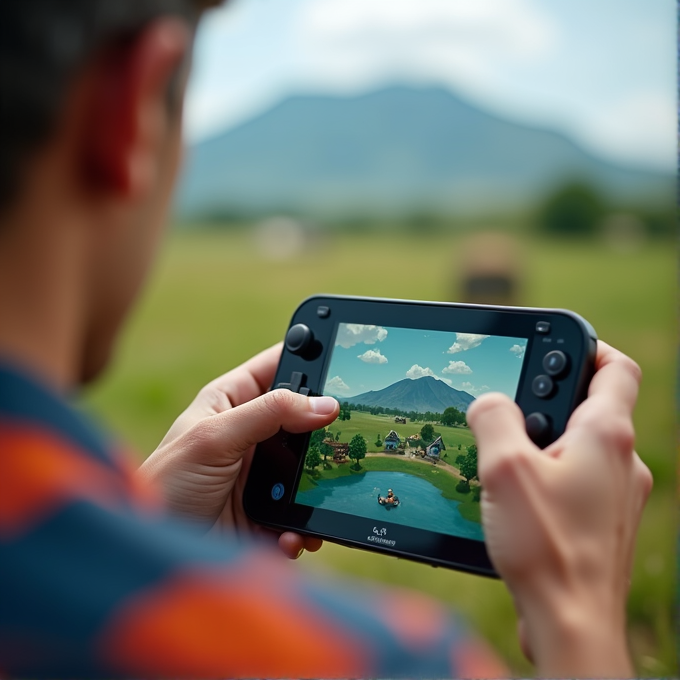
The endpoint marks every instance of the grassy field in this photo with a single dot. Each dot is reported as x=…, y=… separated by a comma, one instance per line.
x=213, y=303
x=370, y=426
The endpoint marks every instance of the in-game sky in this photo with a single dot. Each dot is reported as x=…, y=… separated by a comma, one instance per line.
x=369, y=357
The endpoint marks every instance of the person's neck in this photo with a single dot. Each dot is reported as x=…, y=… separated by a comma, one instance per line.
x=41, y=295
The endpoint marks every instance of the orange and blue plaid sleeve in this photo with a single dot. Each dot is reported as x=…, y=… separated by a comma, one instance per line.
x=96, y=581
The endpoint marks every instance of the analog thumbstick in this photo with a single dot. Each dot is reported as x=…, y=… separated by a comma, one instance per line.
x=299, y=339
x=538, y=427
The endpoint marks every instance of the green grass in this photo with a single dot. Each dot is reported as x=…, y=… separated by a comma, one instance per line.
x=213, y=304
x=369, y=426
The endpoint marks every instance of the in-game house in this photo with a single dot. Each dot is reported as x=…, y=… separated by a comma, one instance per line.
x=433, y=450
x=340, y=451
x=392, y=441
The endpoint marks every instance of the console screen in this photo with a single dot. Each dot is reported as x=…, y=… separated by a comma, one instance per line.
x=401, y=450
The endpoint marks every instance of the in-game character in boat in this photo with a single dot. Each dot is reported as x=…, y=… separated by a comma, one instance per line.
x=390, y=500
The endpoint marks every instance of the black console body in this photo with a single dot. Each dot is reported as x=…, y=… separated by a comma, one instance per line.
x=558, y=362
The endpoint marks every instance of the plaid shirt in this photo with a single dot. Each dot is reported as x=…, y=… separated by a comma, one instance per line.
x=95, y=580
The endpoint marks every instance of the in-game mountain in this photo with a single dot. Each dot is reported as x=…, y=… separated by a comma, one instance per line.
x=395, y=151
x=422, y=395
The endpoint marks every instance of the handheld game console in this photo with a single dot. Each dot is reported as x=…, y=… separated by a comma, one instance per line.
x=397, y=471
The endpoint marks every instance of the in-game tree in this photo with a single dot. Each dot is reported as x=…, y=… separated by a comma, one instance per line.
x=317, y=437
x=357, y=449
x=452, y=416
x=427, y=433
x=313, y=457
x=468, y=466
x=325, y=450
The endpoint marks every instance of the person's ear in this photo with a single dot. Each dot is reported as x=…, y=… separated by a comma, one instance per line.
x=129, y=109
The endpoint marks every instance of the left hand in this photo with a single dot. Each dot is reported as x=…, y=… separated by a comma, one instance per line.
x=202, y=464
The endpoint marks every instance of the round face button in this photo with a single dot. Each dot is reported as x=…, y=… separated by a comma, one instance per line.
x=555, y=363
x=542, y=386
x=277, y=491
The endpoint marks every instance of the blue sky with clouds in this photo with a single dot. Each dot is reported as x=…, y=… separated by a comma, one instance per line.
x=602, y=71
x=373, y=357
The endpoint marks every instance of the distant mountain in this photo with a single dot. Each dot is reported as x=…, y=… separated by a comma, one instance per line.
x=422, y=394
x=388, y=152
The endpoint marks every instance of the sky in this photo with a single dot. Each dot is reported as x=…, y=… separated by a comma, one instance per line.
x=601, y=71
x=369, y=357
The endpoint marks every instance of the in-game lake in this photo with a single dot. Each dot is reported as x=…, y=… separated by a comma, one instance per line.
x=421, y=504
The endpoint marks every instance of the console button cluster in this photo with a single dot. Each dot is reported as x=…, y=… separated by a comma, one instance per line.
x=296, y=384
x=555, y=365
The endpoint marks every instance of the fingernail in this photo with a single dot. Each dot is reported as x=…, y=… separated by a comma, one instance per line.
x=323, y=406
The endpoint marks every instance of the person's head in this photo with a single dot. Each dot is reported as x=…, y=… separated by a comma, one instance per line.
x=91, y=98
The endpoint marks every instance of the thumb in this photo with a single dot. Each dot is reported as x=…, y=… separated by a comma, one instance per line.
x=261, y=418
x=498, y=426
x=524, y=640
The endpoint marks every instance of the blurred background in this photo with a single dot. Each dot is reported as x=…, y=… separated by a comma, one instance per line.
x=504, y=151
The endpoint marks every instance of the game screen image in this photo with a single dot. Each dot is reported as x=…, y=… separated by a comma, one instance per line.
x=401, y=450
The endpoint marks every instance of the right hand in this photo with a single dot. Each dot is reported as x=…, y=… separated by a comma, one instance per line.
x=560, y=524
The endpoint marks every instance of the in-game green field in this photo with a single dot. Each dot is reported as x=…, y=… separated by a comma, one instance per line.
x=370, y=426
x=214, y=303
x=442, y=474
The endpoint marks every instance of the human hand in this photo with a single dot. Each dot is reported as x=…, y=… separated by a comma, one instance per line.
x=560, y=524
x=202, y=463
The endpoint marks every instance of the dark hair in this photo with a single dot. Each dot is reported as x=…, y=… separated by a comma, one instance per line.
x=43, y=44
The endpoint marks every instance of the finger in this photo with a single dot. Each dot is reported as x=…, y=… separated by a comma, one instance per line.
x=643, y=478
x=242, y=384
x=642, y=483
x=499, y=429
x=602, y=423
x=312, y=544
x=292, y=545
x=261, y=418
x=617, y=378
x=606, y=415
x=523, y=636
x=247, y=381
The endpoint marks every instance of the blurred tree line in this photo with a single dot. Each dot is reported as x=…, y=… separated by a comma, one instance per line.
x=578, y=209
x=575, y=208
